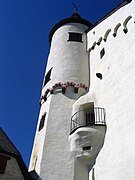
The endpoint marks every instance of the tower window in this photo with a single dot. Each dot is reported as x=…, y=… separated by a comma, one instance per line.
x=47, y=77
x=42, y=122
x=87, y=148
x=102, y=53
x=75, y=37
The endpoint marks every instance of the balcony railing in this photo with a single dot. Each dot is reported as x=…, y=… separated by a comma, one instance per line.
x=88, y=117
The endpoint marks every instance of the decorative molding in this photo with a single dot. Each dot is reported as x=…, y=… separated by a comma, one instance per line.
x=125, y=29
x=99, y=41
x=116, y=29
x=107, y=34
x=125, y=24
x=62, y=86
x=93, y=46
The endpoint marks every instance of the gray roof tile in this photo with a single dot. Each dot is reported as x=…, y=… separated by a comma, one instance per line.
x=6, y=145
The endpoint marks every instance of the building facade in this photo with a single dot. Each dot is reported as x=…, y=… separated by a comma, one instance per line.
x=86, y=120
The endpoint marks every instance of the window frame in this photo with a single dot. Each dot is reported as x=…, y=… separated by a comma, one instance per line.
x=75, y=37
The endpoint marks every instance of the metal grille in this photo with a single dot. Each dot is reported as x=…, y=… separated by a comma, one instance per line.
x=88, y=117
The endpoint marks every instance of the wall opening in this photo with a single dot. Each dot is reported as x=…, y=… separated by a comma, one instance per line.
x=88, y=113
x=75, y=37
x=99, y=75
x=42, y=121
x=47, y=77
x=87, y=148
x=102, y=53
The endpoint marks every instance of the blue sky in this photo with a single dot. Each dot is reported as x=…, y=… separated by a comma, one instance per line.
x=24, y=47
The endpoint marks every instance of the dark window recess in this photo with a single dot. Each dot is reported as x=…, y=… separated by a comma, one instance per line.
x=75, y=37
x=47, y=77
x=99, y=75
x=129, y=1
x=3, y=163
x=87, y=148
x=125, y=31
x=102, y=53
x=42, y=121
x=90, y=117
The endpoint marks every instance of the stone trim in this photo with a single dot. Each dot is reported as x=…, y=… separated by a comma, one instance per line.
x=63, y=87
x=108, y=32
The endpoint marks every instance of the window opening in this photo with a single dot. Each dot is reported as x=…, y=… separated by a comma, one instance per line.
x=42, y=121
x=102, y=53
x=47, y=77
x=75, y=37
x=87, y=148
x=3, y=163
x=99, y=75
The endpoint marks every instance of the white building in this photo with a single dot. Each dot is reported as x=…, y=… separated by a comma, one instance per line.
x=86, y=121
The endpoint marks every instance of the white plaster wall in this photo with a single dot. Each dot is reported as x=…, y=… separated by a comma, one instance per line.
x=12, y=171
x=70, y=63
x=37, y=150
x=57, y=162
x=69, y=59
x=115, y=92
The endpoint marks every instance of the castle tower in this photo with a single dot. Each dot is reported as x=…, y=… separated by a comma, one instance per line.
x=66, y=80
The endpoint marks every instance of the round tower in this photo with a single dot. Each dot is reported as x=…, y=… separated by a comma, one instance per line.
x=66, y=79
x=68, y=59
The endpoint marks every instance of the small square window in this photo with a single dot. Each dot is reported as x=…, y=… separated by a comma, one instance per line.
x=75, y=37
x=102, y=53
x=42, y=122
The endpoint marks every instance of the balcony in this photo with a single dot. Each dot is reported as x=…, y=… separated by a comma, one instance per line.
x=88, y=117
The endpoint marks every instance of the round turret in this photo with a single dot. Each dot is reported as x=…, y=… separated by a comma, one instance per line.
x=75, y=18
x=68, y=63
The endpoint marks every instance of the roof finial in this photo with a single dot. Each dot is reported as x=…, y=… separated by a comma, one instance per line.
x=75, y=7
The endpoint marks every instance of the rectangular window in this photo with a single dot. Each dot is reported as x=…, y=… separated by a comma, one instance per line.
x=87, y=148
x=47, y=77
x=75, y=37
x=42, y=121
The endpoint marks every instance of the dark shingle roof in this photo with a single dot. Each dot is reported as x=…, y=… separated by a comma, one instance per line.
x=75, y=18
x=6, y=145
x=8, y=148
